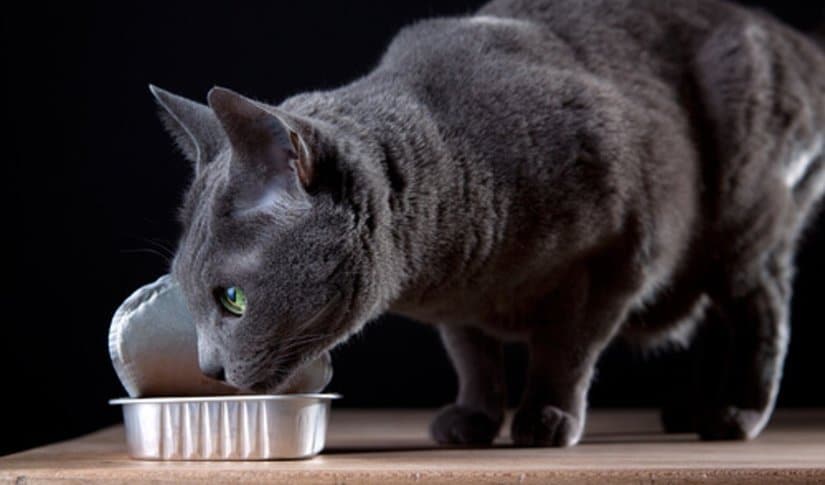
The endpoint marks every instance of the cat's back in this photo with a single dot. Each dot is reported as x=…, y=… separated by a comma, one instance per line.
x=632, y=31
x=648, y=44
x=602, y=37
x=513, y=55
x=623, y=41
x=626, y=40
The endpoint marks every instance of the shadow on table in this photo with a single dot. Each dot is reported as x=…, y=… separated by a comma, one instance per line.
x=591, y=439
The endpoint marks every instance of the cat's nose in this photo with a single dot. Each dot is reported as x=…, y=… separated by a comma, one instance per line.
x=214, y=371
x=209, y=360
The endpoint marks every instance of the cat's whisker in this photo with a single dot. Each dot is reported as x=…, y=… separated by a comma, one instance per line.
x=294, y=343
x=304, y=336
x=166, y=259
x=160, y=245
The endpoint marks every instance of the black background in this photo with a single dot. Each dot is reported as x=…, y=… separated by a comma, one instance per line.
x=91, y=183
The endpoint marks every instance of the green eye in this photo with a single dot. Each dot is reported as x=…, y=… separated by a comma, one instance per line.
x=233, y=299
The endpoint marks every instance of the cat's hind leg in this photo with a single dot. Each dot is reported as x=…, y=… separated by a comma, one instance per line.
x=762, y=101
x=753, y=315
x=476, y=416
x=698, y=374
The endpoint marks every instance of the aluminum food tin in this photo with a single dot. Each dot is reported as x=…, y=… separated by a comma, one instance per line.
x=253, y=427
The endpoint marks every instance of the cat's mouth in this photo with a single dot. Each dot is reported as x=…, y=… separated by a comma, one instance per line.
x=294, y=374
x=267, y=381
x=263, y=387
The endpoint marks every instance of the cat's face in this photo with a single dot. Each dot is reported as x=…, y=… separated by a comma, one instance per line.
x=269, y=262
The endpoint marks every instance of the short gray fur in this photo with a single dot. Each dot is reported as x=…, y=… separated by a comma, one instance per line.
x=559, y=172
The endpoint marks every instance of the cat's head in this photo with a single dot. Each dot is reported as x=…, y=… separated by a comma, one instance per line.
x=275, y=259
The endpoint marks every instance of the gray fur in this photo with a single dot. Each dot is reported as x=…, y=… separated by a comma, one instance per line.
x=560, y=172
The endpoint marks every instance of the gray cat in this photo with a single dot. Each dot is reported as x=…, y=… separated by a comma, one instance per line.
x=559, y=172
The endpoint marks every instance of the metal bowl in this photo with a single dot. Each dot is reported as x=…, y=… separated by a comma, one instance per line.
x=253, y=427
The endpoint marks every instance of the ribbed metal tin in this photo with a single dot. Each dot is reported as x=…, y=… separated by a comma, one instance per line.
x=254, y=427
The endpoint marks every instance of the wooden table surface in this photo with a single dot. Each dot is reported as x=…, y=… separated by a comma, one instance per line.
x=384, y=446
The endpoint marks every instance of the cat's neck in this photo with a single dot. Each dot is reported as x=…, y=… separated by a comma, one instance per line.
x=399, y=159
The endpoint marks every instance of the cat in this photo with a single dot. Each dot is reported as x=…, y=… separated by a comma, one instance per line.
x=558, y=172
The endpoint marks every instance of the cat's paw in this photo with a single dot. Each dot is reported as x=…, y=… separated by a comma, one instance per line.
x=731, y=423
x=547, y=426
x=677, y=419
x=460, y=425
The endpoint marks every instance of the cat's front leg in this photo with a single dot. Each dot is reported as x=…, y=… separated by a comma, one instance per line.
x=477, y=414
x=563, y=354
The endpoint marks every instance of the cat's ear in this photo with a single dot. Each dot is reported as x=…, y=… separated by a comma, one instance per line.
x=192, y=125
x=272, y=147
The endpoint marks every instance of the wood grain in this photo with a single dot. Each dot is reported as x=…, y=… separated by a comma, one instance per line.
x=391, y=446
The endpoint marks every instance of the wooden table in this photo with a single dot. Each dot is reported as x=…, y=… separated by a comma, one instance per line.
x=392, y=447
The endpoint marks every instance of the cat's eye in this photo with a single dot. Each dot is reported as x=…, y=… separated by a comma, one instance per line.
x=233, y=300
